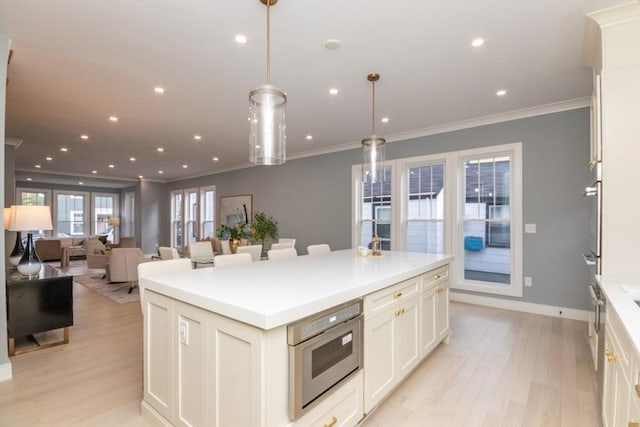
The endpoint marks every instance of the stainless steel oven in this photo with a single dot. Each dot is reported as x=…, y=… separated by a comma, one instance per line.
x=324, y=350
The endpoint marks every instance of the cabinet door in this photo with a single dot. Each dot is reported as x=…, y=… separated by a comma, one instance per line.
x=158, y=350
x=428, y=321
x=634, y=410
x=407, y=333
x=379, y=358
x=191, y=365
x=442, y=311
x=615, y=402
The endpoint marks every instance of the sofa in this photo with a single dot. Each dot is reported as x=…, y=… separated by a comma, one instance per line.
x=51, y=249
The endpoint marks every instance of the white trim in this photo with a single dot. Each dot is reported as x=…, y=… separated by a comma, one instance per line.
x=521, y=306
x=6, y=372
x=14, y=142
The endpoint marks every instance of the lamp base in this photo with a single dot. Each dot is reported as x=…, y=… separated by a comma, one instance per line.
x=29, y=264
x=18, y=250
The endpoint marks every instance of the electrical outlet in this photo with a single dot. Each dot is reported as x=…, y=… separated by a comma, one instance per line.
x=183, y=325
x=530, y=228
x=528, y=281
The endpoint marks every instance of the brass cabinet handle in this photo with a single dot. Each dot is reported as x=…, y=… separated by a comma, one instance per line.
x=399, y=311
x=638, y=390
x=611, y=356
x=333, y=422
x=633, y=424
x=436, y=277
x=590, y=337
x=397, y=295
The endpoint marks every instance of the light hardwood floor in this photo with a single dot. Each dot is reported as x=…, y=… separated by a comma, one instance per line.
x=501, y=368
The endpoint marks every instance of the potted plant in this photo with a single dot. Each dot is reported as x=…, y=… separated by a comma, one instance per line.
x=265, y=227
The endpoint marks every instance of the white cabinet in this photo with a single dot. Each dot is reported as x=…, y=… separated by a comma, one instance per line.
x=342, y=409
x=403, y=324
x=202, y=369
x=621, y=397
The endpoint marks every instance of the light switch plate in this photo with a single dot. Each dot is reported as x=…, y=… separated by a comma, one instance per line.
x=528, y=281
x=530, y=228
x=183, y=326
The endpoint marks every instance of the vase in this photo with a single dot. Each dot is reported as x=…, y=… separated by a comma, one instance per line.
x=233, y=245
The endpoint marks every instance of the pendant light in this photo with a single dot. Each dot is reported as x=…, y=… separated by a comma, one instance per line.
x=267, y=107
x=373, y=145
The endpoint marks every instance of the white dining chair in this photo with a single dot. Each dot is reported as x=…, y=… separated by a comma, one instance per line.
x=201, y=254
x=167, y=252
x=277, y=246
x=232, y=259
x=226, y=248
x=157, y=267
x=276, y=254
x=254, y=250
x=289, y=241
x=319, y=249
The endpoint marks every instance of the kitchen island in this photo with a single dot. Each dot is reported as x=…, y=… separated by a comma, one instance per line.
x=215, y=339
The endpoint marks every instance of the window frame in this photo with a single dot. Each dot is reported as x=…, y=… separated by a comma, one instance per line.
x=86, y=211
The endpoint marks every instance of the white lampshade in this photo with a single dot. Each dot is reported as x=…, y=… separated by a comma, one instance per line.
x=113, y=221
x=7, y=217
x=26, y=218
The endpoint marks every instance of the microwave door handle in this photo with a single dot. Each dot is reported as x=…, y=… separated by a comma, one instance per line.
x=594, y=299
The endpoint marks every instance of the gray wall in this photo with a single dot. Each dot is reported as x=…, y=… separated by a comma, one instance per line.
x=152, y=215
x=311, y=198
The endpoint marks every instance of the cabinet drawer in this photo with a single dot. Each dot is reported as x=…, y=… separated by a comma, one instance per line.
x=342, y=409
x=434, y=276
x=387, y=298
x=620, y=342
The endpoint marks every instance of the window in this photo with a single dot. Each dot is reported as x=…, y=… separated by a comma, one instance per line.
x=104, y=206
x=34, y=197
x=374, y=208
x=69, y=217
x=177, y=238
x=192, y=215
x=127, y=217
x=207, y=212
x=467, y=203
x=424, y=209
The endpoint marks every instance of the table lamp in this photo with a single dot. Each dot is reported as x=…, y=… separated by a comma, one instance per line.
x=29, y=218
x=114, y=222
x=18, y=248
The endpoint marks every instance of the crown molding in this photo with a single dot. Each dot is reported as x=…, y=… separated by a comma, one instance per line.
x=12, y=141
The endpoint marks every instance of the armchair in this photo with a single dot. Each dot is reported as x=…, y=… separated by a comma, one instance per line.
x=123, y=265
x=97, y=254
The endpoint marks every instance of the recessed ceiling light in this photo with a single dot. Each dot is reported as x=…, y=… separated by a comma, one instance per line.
x=161, y=172
x=132, y=159
x=385, y=120
x=215, y=159
x=37, y=166
x=240, y=38
x=332, y=44
x=197, y=137
x=477, y=42
x=113, y=119
x=85, y=137
x=333, y=91
x=184, y=166
x=160, y=149
x=81, y=183
x=94, y=172
x=501, y=92
x=28, y=179
x=112, y=166
x=64, y=149
x=140, y=176
x=48, y=158
x=309, y=137
x=158, y=89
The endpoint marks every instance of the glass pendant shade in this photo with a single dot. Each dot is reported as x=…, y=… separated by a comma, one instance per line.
x=372, y=159
x=267, y=136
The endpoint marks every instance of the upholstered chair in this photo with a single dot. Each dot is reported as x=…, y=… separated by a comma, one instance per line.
x=127, y=242
x=123, y=265
x=318, y=249
x=97, y=253
x=289, y=241
x=277, y=246
x=277, y=254
x=254, y=250
x=232, y=259
x=201, y=254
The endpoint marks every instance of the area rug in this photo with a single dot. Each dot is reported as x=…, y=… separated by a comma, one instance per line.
x=118, y=292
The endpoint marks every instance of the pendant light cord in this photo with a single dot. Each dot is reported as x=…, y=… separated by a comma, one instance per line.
x=373, y=109
x=268, y=42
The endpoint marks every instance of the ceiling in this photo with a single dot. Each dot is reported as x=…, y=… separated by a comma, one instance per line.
x=76, y=62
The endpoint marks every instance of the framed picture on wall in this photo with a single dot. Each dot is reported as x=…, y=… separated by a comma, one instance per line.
x=235, y=209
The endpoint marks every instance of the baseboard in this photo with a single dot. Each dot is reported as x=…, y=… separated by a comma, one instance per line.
x=525, y=307
x=5, y=372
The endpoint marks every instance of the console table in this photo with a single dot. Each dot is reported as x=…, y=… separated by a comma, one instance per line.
x=37, y=305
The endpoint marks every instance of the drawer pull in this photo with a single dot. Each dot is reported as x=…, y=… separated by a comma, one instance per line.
x=397, y=295
x=399, y=311
x=436, y=277
x=590, y=337
x=611, y=356
x=333, y=422
x=633, y=424
x=638, y=390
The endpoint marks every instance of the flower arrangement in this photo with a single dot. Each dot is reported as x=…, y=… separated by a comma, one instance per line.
x=237, y=232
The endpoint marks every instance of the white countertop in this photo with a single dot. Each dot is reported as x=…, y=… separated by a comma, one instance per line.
x=268, y=294
x=620, y=293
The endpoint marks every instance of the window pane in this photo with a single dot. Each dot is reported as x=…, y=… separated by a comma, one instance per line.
x=207, y=213
x=70, y=209
x=426, y=192
x=425, y=236
x=104, y=209
x=376, y=210
x=176, y=221
x=32, y=198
